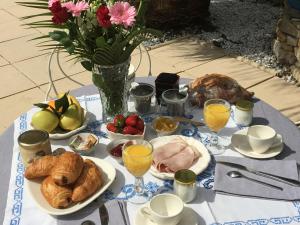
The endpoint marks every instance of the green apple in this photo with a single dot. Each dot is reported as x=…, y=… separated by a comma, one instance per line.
x=45, y=120
x=72, y=118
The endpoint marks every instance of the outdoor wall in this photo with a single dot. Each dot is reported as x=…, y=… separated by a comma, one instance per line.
x=286, y=47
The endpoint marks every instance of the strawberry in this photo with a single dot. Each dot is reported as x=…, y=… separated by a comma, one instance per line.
x=140, y=125
x=131, y=120
x=130, y=130
x=119, y=121
x=111, y=127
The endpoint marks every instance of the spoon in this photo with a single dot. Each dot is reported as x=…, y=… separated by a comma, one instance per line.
x=237, y=174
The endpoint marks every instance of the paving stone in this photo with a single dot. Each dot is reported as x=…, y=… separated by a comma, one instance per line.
x=246, y=74
x=281, y=95
x=20, y=49
x=37, y=68
x=12, y=81
x=64, y=85
x=158, y=65
x=13, y=30
x=6, y=17
x=187, y=53
x=3, y=62
x=15, y=105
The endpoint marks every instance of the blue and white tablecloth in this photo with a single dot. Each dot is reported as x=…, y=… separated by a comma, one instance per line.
x=212, y=208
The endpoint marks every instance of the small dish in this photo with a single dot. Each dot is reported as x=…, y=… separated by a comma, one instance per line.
x=200, y=165
x=116, y=136
x=239, y=142
x=59, y=134
x=189, y=216
x=165, y=125
x=33, y=187
x=81, y=140
x=113, y=144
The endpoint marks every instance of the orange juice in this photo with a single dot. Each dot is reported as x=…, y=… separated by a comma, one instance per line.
x=216, y=116
x=137, y=159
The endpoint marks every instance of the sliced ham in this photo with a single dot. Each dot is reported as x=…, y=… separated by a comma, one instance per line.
x=174, y=156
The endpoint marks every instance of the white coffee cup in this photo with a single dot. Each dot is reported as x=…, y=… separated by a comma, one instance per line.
x=164, y=209
x=261, y=138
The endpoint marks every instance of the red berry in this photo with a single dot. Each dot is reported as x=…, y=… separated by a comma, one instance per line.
x=140, y=125
x=130, y=130
x=119, y=121
x=131, y=120
x=111, y=127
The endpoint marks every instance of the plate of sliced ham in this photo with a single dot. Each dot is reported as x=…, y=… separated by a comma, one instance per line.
x=172, y=153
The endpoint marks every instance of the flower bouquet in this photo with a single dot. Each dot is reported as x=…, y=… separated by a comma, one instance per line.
x=101, y=35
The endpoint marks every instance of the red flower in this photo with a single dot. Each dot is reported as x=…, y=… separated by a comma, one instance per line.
x=60, y=14
x=103, y=17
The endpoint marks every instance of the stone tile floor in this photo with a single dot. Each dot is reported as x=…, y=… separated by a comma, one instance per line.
x=24, y=71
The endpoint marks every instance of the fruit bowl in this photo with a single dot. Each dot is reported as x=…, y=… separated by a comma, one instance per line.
x=129, y=127
x=59, y=133
x=116, y=136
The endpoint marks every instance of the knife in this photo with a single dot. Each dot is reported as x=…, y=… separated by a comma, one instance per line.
x=104, y=218
x=263, y=174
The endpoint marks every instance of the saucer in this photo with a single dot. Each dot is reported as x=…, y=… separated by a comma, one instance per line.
x=189, y=217
x=239, y=142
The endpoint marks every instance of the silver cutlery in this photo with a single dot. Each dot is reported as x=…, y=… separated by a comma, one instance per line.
x=263, y=174
x=237, y=174
x=104, y=218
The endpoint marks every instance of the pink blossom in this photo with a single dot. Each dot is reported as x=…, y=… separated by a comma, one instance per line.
x=122, y=13
x=77, y=8
x=50, y=2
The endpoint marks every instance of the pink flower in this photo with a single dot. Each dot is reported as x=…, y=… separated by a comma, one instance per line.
x=50, y=2
x=122, y=13
x=77, y=8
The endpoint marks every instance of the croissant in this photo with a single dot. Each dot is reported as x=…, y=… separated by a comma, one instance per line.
x=41, y=167
x=67, y=169
x=57, y=196
x=89, y=181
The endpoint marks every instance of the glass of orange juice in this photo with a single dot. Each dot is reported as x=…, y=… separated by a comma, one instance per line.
x=137, y=158
x=216, y=115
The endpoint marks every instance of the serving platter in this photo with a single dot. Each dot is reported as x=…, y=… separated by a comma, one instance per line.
x=33, y=186
x=199, y=166
x=62, y=134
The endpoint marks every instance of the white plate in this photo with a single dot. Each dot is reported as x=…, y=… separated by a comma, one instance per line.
x=61, y=134
x=189, y=217
x=239, y=142
x=197, y=167
x=109, y=173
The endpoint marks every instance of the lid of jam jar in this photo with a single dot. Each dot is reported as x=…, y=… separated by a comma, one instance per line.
x=244, y=105
x=32, y=138
x=185, y=176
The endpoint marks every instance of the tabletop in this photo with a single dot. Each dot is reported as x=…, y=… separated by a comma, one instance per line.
x=263, y=114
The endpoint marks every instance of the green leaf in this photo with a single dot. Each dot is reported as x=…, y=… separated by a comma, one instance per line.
x=87, y=65
x=62, y=103
x=100, y=42
x=58, y=35
x=36, y=15
x=70, y=48
x=41, y=105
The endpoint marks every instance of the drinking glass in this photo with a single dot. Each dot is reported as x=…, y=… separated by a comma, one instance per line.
x=137, y=158
x=216, y=115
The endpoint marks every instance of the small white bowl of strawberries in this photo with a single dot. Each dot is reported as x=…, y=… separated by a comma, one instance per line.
x=126, y=127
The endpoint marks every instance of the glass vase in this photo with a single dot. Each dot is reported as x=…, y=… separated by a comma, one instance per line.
x=111, y=82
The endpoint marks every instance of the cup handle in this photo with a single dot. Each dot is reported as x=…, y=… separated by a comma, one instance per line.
x=277, y=141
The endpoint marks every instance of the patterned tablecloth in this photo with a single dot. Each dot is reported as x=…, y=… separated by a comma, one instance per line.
x=210, y=208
